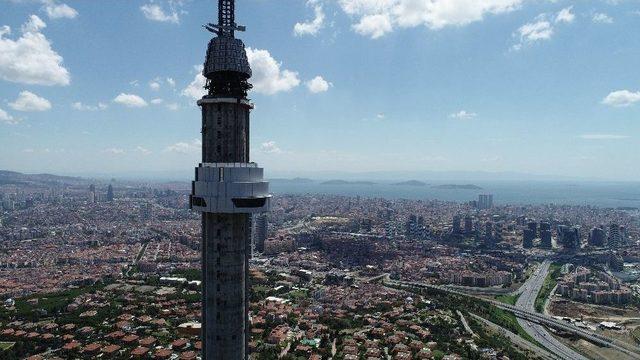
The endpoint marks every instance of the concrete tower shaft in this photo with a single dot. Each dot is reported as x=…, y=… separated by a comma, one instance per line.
x=225, y=130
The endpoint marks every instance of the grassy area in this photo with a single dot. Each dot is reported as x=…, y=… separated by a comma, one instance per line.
x=6, y=345
x=509, y=321
x=636, y=334
x=549, y=284
x=493, y=339
x=466, y=304
x=508, y=299
x=52, y=303
x=189, y=274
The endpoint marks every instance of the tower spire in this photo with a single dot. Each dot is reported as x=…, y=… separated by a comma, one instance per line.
x=226, y=66
x=226, y=26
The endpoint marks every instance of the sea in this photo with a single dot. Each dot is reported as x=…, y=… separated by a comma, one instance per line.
x=625, y=195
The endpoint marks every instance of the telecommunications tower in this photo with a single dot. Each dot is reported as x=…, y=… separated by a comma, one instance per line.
x=227, y=190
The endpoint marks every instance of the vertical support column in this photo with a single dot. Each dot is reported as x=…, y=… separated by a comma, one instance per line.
x=224, y=308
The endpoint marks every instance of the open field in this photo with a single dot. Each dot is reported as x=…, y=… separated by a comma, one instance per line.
x=549, y=284
x=4, y=345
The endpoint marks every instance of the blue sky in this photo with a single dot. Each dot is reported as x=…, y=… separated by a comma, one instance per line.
x=540, y=87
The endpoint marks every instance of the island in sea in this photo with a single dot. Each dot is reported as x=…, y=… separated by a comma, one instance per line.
x=297, y=180
x=345, y=182
x=457, y=187
x=411, y=183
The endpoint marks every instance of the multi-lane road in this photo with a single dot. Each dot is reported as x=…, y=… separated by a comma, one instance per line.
x=528, y=314
x=527, y=301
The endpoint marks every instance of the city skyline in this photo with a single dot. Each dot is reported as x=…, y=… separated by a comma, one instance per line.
x=500, y=86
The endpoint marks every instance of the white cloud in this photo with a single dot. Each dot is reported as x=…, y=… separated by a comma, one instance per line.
x=59, y=11
x=565, y=15
x=380, y=116
x=374, y=26
x=130, y=100
x=185, y=147
x=142, y=150
x=539, y=30
x=195, y=89
x=463, y=114
x=268, y=78
x=270, y=147
x=621, y=98
x=602, y=18
x=28, y=101
x=113, y=151
x=311, y=27
x=171, y=82
x=33, y=25
x=173, y=106
x=603, y=137
x=156, y=13
x=378, y=17
x=157, y=101
x=542, y=28
x=84, y=107
x=318, y=85
x=30, y=59
x=154, y=85
x=6, y=118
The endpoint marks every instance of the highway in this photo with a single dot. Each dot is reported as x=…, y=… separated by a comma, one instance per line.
x=533, y=317
x=517, y=340
x=527, y=301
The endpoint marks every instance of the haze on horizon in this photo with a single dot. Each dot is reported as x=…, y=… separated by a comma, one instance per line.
x=531, y=87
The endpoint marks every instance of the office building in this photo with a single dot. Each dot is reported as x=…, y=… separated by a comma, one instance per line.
x=485, y=201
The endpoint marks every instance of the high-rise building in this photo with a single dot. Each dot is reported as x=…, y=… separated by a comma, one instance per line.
x=545, y=235
x=227, y=190
x=533, y=226
x=91, y=196
x=597, y=237
x=456, y=228
x=615, y=237
x=528, y=236
x=411, y=226
x=110, y=195
x=489, y=239
x=569, y=237
x=468, y=224
x=261, y=231
x=485, y=201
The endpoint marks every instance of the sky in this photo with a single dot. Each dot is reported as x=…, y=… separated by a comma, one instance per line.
x=530, y=86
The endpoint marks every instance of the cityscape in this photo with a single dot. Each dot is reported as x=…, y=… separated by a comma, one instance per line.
x=377, y=249
x=112, y=269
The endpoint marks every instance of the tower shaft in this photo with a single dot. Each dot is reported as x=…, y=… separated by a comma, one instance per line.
x=225, y=238
x=227, y=190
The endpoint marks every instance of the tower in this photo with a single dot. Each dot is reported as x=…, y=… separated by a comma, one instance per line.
x=597, y=236
x=110, y=193
x=485, y=201
x=261, y=229
x=528, y=236
x=92, y=194
x=456, y=224
x=615, y=236
x=227, y=190
x=468, y=224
